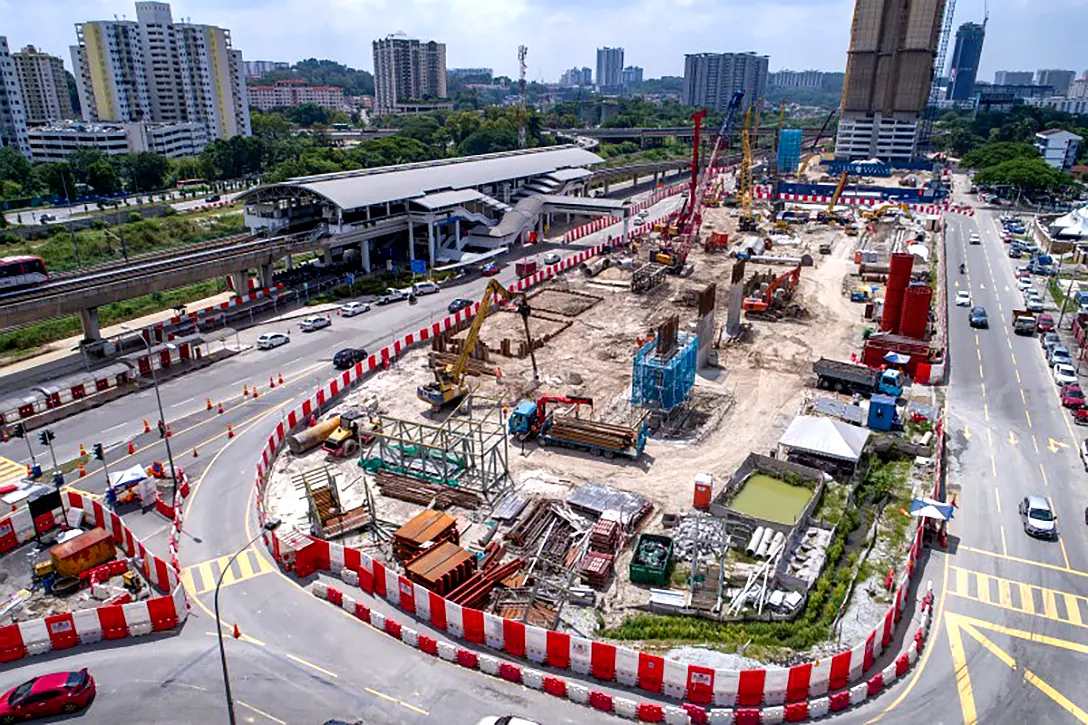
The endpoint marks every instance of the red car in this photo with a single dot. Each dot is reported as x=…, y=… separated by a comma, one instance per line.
x=1044, y=323
x=55, y=694
x=1072, y=396
x=490, y=270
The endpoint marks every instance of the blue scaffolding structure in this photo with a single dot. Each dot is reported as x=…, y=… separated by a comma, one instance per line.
x=662, y=385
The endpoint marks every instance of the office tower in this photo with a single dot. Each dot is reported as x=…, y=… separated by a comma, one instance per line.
x=609, y=68
x=12, y=113
x=43, y=85
x=965, y=60
x=1059, y=80
x=631, y=76
x=407, y=69
x=711, y=78
x=889, y=72
x=1014, y=77
x=153, y=69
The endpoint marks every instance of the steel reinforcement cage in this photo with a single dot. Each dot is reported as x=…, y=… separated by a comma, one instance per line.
x=662, y=385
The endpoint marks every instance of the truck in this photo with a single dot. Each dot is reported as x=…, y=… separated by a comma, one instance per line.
x=351, y=432
x=844, y=377
x=532, y=419
x=525, y=267
x=1023, y=322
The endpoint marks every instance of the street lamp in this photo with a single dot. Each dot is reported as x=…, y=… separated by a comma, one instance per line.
x=270, y=525
x=162, y=416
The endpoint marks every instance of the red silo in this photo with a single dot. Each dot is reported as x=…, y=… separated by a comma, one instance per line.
x=914, y=321
x=898, y=279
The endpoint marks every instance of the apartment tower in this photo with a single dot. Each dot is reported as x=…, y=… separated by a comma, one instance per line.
x=12, y=112
x=609, y=68
x=889, y=73
x=153, y=69
x=711, y=78
x=406, y=69
x=43, y=85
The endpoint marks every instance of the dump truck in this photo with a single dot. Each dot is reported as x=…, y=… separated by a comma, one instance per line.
x=844, y=377
x=350, y=434
x=1023, y=322
x=532, y=419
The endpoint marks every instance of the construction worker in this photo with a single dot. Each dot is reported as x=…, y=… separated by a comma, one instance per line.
x=162, y=429
x=111, y=497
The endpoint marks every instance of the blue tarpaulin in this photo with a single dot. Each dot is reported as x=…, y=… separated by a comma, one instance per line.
x=930, y=509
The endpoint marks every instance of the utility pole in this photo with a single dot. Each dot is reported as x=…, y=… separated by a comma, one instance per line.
x=523, y=50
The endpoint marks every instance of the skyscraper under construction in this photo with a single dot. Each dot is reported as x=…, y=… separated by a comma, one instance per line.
x=889, y=72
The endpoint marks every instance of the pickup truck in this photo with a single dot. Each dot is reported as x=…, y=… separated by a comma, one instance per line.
x=1023, y=322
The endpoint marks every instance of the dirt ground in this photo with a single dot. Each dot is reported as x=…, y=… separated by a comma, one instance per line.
x=742, y=406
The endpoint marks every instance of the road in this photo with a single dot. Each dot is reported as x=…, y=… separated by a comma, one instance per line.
x=299, y=661
x=1009, y=642
x=76, y=211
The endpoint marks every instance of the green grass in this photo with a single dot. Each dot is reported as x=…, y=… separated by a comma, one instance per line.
x=1057, y=291
x=96, y=246
x=34, y=336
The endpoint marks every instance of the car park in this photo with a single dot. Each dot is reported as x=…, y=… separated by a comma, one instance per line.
x=551, y=258
x=59, y=693
x=314, y=323
x=1072, y=396
x=354, y=308
x=270, y=340
x=1022, y=283
x=490, y=269
x=963, y=298
x=978, y=317
x=1035, y=304
x=1044, y=323
x=1038, y=518
x=1048, y=340
x=347, y=357
x=458, y=304
x=1059, y=354
x=1015, y=253
x=1064, y=374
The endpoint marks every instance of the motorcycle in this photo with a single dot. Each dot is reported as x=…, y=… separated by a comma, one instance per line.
x=963, y=268
x=412, y=299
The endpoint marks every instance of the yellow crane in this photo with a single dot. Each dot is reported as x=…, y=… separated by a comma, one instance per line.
x=449, y=380
x=838, y=192
x=747, y=220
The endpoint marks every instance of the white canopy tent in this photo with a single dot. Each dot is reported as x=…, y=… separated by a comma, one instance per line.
x=825, y=437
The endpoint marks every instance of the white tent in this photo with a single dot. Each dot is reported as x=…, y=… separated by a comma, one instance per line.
x=825, y=437
x=1073, y=224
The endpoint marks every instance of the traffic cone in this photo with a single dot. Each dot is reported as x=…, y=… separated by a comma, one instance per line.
x=220, y=411
x=209, y=402
x=230, y=431
x=147, y=428
x=245, y=390
x=29, y=471
x=131, y=448
x=255, y=393
x=4, y=434
x=237, y=632
x=82, y=451
x=168, y=433
x=280, y=381
x=82, y=471
x=195, y=453
x=271, y=383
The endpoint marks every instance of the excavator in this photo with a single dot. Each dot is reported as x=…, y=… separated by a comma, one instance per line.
x=449, y=380
x=828, y=216
x=887, y=209
x=770, y=304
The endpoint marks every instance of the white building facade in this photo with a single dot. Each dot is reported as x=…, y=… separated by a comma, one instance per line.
x=287, y=93
x=1058, y=147
x=12, y=113
x=44, y=86
x=56, y=142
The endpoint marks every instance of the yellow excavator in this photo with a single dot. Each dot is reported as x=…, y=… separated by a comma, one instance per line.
x=828, y=216
x=449, y=380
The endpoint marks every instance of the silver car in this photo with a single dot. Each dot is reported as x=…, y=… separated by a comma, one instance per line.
x=1038, y=518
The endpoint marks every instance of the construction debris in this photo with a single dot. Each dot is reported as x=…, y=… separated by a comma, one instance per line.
x=426, y=529
x=406, y=488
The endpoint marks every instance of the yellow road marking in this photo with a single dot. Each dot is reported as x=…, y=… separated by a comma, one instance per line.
x=1025, y=593
x=990, y=436
x=1065, y=556
x=1042, y=472
x=1028, y=416
x=959, y=667
x=262, y=713
x=1013, y=440
x=1055, y=446
x=1050, y=604
x=1029, y=562
x=1004, y=592
x=1027, y=598
x=997, y=496
x=311, y=665
x=1004, y=546
x=986, y=412
x=1035, y=443
x=1072, y=608
x=983, y=588
x=384, y=696
x=201, y=578
x=993, y=465
x=11, y=470
x=1018, y=377
x=1023, y=397
x=1056, y=696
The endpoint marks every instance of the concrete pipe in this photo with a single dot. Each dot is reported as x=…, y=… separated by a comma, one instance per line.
x=753, y=543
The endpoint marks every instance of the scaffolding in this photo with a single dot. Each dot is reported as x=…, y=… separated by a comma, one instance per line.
x=468, y=450
x=664, y=369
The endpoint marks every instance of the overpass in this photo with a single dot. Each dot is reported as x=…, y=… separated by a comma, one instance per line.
x=642, y=135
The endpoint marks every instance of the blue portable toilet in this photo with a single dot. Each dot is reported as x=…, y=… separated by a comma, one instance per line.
x=881, y=412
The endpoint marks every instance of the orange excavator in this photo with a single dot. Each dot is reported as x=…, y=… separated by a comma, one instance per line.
x=773, y=300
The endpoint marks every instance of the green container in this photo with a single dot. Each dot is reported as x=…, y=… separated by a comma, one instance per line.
x=652, y=563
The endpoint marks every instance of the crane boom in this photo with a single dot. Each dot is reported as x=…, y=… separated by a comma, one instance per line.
x=838, y=192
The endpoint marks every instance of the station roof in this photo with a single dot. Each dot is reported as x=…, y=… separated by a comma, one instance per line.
x=443, y=199
x=357, y=189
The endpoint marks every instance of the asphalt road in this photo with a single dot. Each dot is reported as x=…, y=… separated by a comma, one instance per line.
x=300, y=660
x=76, y=211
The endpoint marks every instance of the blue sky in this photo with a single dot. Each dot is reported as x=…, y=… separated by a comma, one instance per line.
x=1022, y=34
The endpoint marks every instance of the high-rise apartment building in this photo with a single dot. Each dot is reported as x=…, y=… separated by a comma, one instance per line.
x=609, y=68
x=12, y=113
x=1079, y=88
x=482, y=73
x=1014, y=77
x=294, y=92
x=965, y=58
x=796, y=79
x=1059, y=80
x=631, y=76
x=576, y=77
x=889, y=71
x=153, y=69
x=711, y=78
x=407, y=69
x=43, y=85
x=258, y=68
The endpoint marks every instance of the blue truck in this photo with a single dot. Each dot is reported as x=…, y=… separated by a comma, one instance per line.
x=844, y=377
x=532, y=419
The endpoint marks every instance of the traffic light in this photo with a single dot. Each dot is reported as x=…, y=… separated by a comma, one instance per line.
x=18, y=430
x=99, y=452
x=43, y=438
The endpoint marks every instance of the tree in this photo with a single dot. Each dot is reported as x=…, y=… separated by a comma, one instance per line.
x=421, y=128
x=326, y=73
x=14, y=166
x=101, y=177
x=488, y=140
x=145, y=171
x=997, y=152
x=306, y=115
x=237, y=156
x=57, y=178
x=272, y=127
x=1028, y=175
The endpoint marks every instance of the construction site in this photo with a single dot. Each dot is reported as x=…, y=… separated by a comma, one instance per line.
x=667, y=428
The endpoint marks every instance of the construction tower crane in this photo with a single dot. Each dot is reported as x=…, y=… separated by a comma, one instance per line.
x=747, y=220
x=449, y=380
x=523, y=51
x=813, y=153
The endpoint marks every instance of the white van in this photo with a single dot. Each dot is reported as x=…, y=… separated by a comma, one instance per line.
x=425, y=288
